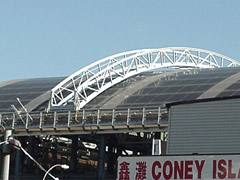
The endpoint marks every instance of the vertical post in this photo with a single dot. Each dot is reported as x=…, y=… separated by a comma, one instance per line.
x=73, y=161
x=54, y=151
x=110, y=156
x=31, y=149
x=13, y=121
x=54, y=119
x=18, y=162
x=159, y=116
x=113, y=118
x=69, y=119
x=27, y=120
x=101, y=158
x=6, y=156
x=98, y=117
x=1, y=119
x=40, y=121
x=19, y=159
x=83, y=116
x=128, y=116
x=143, y=116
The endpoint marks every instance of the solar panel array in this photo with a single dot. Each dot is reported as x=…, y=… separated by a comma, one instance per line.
x=25, y=90
x=185, y=85
x=167, y=86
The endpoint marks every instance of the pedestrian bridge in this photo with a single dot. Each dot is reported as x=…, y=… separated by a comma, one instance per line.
x=101, y=98
x=99, y=121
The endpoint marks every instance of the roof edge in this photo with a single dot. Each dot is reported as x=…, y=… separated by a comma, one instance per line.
x=169, y=105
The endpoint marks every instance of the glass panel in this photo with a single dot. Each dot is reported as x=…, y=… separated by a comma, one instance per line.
x=160, y=98
x=216, y=80
x=173, y=89
x=203, y=87
x=132, y=99
x=192, y=96
x=187, y=81
x=176, y=97
x=187, y=88
x=145, y=91
x=234, y=86
x=159, y=90
x=203, y=81
x=236, y=93
x=226, y=93
x=145, y=99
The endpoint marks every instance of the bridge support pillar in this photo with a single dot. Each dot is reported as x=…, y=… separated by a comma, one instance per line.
x=18, y=164
x=73, y=162
x=111, y=156
x=31, y=149
x=6, y=156
x=101, y=157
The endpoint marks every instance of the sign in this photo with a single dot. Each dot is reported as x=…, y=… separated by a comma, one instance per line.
x=207, y=167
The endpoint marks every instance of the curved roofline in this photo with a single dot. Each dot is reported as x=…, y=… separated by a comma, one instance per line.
x=88, y=82
x=169, y=105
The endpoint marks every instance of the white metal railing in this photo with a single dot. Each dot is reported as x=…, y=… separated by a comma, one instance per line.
x=111, y=118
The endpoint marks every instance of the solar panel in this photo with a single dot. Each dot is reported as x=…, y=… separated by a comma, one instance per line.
x=235, y=86
x=203, y=87
x=160, y=98
x=226, y=93
x=145, y=99
x=132, y=99
x=176, y=97
x=159, y=90
x=26, y=90
x=188, y=88
x=192, y=96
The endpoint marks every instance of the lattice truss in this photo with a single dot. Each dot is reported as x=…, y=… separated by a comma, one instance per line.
x=85, y=84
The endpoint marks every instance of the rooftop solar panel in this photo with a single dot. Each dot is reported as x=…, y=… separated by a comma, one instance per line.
x=171, y=86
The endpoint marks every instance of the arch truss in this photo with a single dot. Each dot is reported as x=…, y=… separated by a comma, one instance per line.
x=85, y=84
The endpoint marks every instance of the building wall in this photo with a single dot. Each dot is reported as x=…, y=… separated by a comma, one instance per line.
x=205, y=128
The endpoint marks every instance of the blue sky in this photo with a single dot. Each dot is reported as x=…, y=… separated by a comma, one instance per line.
x=48, y=38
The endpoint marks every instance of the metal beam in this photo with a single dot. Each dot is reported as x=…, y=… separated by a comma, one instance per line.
x=6, y=156
x=87, y=83
x=99, y=121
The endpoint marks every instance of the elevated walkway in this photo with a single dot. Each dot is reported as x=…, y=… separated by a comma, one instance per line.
x=99, y=121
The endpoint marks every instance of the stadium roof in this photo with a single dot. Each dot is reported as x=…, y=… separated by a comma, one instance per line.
x=154, y=88
x=31, y=92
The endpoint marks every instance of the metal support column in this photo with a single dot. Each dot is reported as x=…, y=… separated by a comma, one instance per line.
x=54, y=151
x=73, y=162
x=101, y=158
x=110, y=156
x=31, y=148
x=18, y=164
x=6, y=156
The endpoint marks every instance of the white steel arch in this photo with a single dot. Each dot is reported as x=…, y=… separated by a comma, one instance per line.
x=90, y=81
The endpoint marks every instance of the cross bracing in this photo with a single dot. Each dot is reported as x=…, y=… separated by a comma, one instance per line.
x=85, y=84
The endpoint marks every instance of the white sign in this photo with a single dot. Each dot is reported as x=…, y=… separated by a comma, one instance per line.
x=207, y=167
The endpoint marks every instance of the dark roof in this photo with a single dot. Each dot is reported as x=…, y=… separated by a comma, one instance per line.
x=169, y=105
x=31, y=92
x=155, y=88
x=159, y=88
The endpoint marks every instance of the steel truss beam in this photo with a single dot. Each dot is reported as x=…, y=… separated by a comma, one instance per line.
x=87, y=83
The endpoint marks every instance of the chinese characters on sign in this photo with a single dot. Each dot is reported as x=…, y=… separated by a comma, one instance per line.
x=195, y=167
x=141, y=171
x=124, y=171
